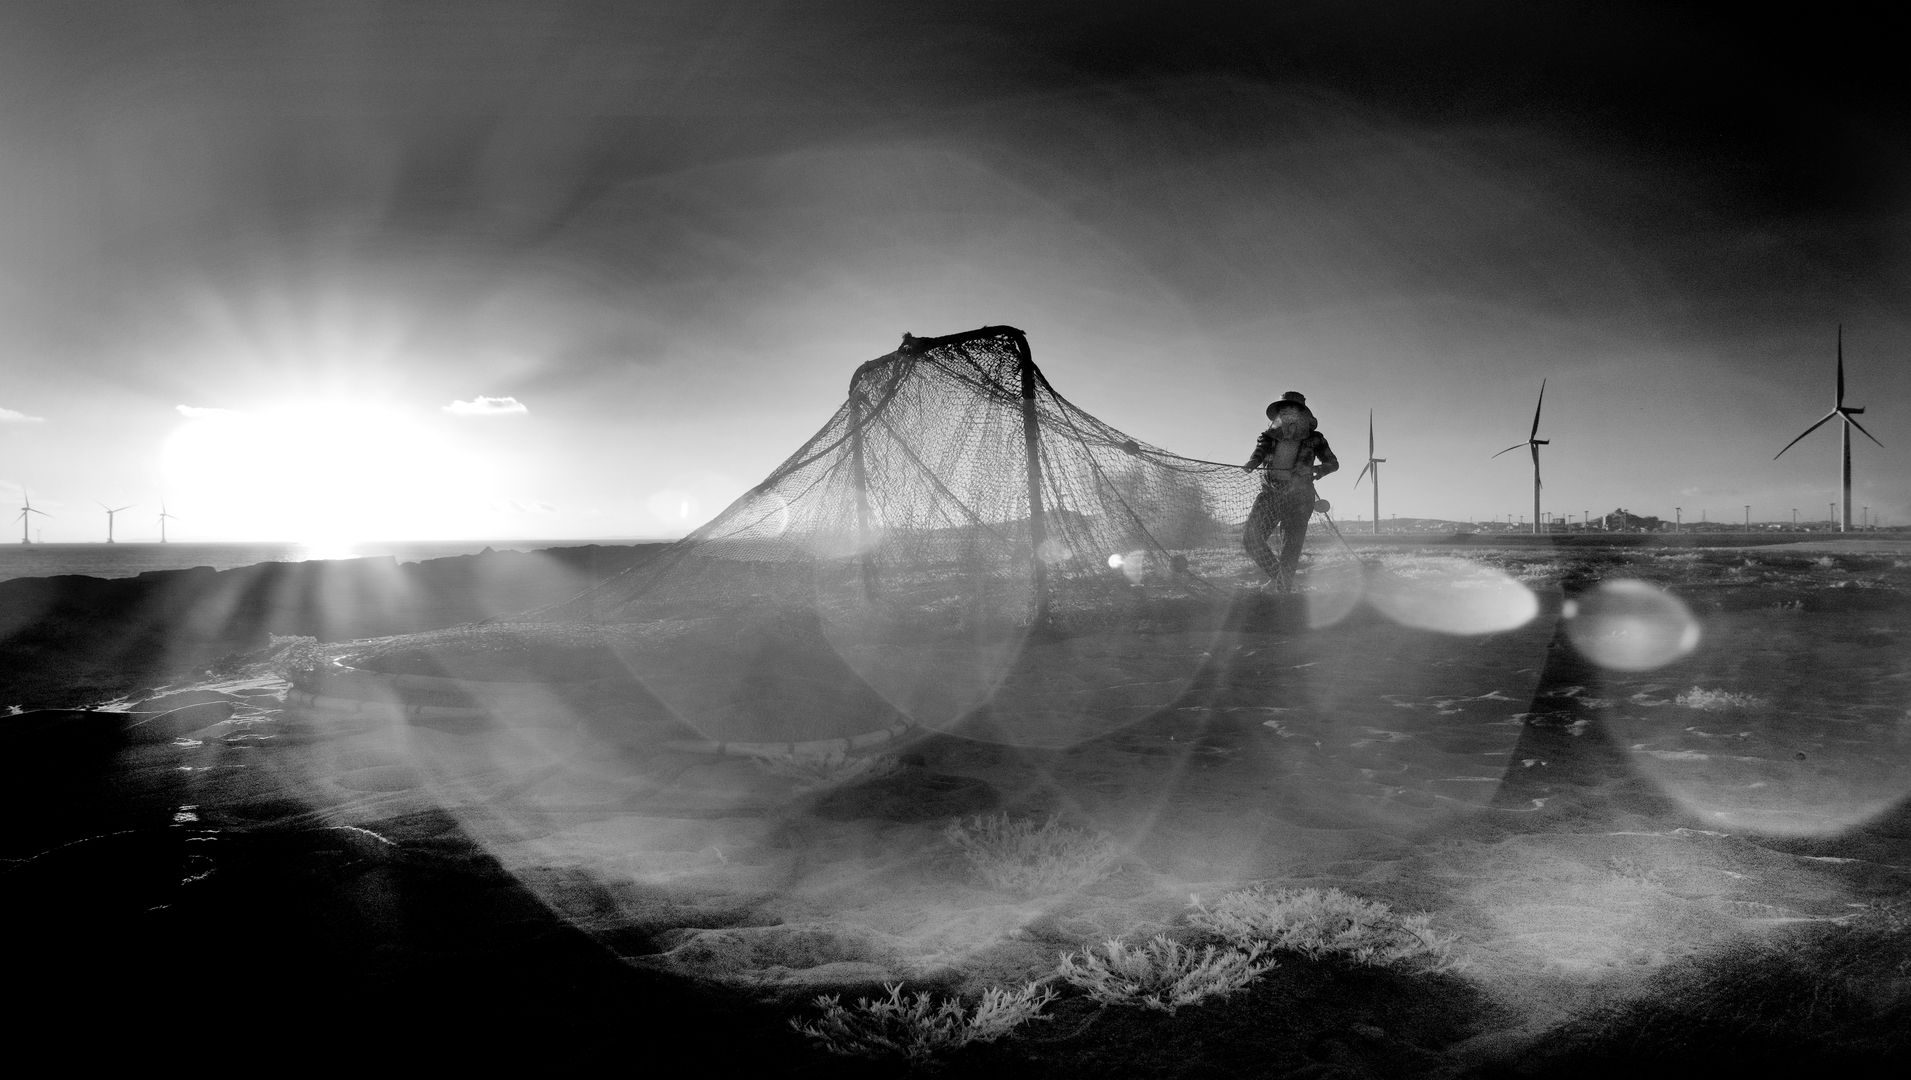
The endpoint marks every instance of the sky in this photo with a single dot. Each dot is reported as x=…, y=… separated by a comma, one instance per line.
x=324, y=272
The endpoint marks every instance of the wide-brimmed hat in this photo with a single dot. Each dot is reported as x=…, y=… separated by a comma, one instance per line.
x=1292, y=398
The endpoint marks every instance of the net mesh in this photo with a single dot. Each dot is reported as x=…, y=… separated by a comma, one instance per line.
x=953, y=481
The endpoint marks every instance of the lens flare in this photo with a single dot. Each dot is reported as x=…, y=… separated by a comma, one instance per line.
x=1333, y=592
x=1630, y=625
x=675, y=508
x=1453, y=596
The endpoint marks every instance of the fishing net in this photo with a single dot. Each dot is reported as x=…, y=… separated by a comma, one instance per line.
x=957, y=546
x=954, y=484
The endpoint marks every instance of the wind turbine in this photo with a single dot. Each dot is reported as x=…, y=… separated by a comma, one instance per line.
x=26, y=507
x=1843, y=412
x=1373, y=465
x=110, y=511
x=163, y=515
x=1535, y=442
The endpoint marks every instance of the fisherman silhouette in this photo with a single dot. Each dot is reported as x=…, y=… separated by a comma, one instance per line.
x=1294, y=454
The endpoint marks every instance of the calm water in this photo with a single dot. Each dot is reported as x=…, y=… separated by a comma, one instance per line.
x=125, y=560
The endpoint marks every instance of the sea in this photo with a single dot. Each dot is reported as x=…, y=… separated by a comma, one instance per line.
x=102, y=560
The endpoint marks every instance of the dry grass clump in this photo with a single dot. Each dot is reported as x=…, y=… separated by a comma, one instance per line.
x=919, y=1028
x=1718, y=700
x=1163, y=974
x=1327, y=922
x=1022, y=856
x=294, y=658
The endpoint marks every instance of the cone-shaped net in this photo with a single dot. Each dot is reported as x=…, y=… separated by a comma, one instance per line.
x=953, y=504
x=915, y=497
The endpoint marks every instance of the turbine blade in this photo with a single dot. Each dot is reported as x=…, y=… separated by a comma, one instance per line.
x=1861, y=427
x=1537, y=407
x=1807, y=431
x=1370, y=435
x=1363, y=474
x=1515, y=446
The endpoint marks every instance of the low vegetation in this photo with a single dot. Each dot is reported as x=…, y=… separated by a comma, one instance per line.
x=1020, y=855
x=918, y=1027
x=296, y=659
x=1326, y=922
x=1162, y=974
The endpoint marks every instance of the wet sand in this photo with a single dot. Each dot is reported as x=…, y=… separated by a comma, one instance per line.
x=1698, y=862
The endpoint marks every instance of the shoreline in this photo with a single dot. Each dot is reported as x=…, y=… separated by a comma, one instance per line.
x=68, y=641
x=1844, y=541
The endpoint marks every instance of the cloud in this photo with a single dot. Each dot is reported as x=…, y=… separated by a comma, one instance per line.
x=10, y=416
x=487, y=406
x=201, y=412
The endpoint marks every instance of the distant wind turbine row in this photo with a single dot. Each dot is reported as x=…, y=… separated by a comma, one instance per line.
x=1839, y=411
x=27, y=509
x=1845, y=414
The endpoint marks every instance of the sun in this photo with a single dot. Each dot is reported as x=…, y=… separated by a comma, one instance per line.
x=327, y=473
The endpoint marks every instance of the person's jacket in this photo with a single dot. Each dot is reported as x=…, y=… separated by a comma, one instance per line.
x=1313, y=449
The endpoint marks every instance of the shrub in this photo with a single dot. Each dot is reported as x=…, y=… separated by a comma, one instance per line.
x=1162, y=974
x=294, y=658
x=917, y=1027
x=1327, y=922
x=1024, y=857
x=1718, y=700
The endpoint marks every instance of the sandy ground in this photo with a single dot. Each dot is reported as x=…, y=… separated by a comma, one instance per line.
x=1663, y=830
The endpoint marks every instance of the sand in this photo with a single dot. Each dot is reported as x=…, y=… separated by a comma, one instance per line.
x=1666, y=828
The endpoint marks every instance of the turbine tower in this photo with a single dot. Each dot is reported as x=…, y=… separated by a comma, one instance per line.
x=26, y=508
x=163, y=515
x=110, y=511
x=1373, y=465
x=1844, y=412
x=1535, y=442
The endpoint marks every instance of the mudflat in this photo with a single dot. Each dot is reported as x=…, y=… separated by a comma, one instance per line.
x=1654, y=804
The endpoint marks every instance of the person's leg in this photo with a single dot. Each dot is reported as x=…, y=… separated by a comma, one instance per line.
x=1260, y=528
x=1295, y=512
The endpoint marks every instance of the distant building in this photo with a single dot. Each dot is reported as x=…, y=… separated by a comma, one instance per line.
x=1623, y=520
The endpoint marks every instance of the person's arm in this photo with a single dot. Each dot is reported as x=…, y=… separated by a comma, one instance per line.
x=1263, y=446
x=1328, y=462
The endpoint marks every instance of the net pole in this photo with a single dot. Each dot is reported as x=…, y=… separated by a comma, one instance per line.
x=1032, y=446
